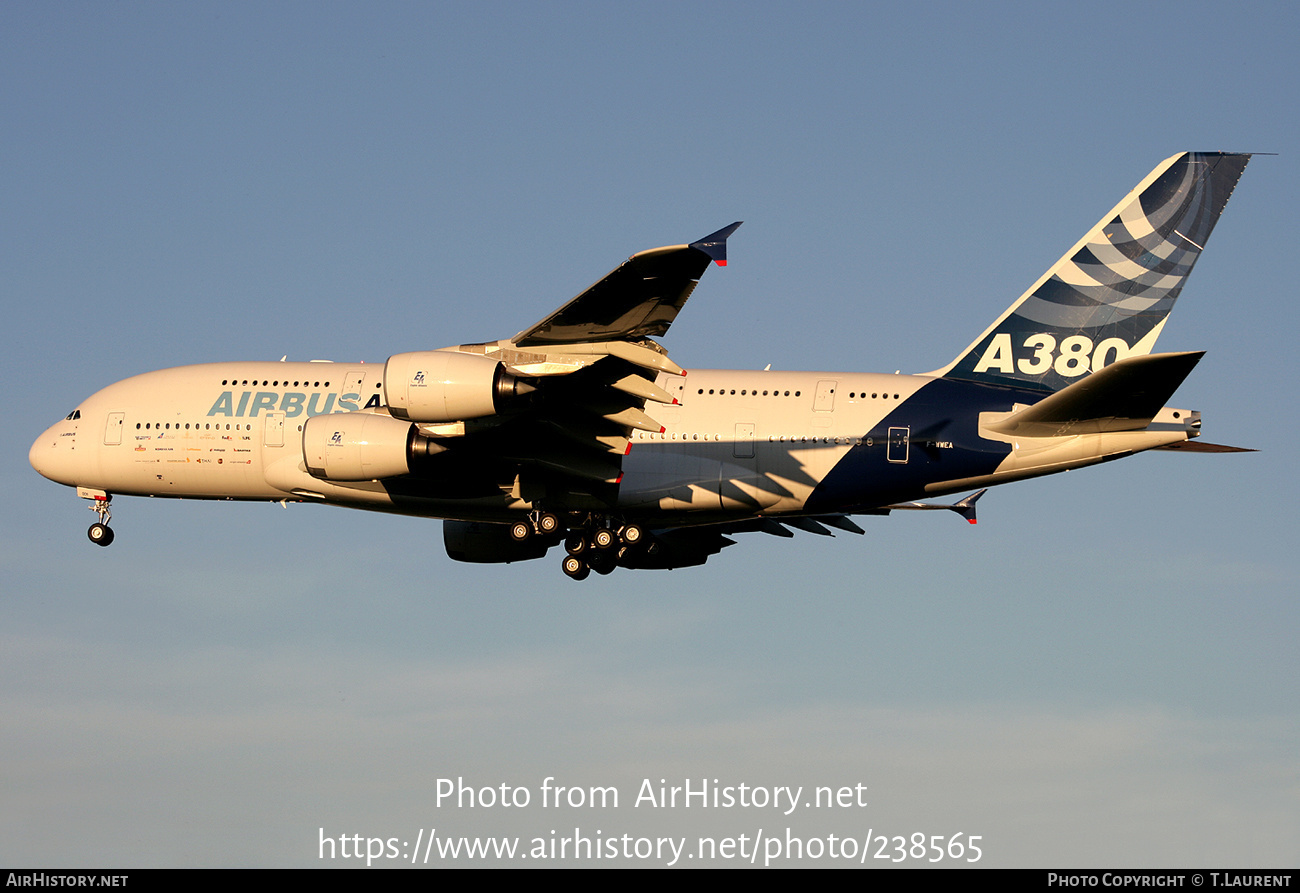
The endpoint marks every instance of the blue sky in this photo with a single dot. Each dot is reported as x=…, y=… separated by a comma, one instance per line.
x=1102, y=672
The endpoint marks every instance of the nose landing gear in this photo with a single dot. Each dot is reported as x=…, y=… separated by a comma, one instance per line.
x=100, y=533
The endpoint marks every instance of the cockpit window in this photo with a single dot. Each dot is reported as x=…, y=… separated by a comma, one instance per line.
x=72, y=416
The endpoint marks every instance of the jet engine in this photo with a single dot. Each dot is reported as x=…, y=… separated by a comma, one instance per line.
x=362, y=446
x=481, y=543
x=446, y=386
x=670, y=549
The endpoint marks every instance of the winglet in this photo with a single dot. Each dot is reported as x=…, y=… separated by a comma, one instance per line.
x=966, y=508
x=715, y=244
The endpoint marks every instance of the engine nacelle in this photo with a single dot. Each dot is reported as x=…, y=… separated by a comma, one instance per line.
x=481, y=543
x=357, y=446
x=677, y=548
x=446, y=386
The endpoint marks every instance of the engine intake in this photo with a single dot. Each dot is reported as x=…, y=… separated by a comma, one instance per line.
x=446, y=386
x=362, y=446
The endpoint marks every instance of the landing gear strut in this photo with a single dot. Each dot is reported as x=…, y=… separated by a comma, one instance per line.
x=100, y=533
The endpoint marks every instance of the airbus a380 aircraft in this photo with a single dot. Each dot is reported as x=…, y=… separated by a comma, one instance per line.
x=580, y=428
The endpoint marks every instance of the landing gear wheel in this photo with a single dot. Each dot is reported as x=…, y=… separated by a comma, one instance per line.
x=633, y=535
x=547, y=523
x=603, y=538
x=520, y=531
x=575, y=543
x=575, y=567
x=101, y=534
x=603, y=562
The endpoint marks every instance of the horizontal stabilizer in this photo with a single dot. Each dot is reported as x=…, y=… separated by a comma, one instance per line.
x=1196, y=446
x=1125, y=396
x=965, y=508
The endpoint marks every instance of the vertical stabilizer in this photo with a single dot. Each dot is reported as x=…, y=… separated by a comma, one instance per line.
x=1109, y=296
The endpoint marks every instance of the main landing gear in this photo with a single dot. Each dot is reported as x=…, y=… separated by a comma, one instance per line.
x=538, y=523
x=596, y=544
x=100, y=533
x=599, y=547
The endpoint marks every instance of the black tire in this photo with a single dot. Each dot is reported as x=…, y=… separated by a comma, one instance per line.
x=603, y=562
x=520, y=531
x=100, y=534
x=633, y=535
x=575, y=568
x=548, y=523
x=575, y=543
x=603, y=538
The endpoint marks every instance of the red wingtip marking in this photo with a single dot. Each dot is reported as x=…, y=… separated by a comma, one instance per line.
x=662, y=429
x=675, y=401
x=629, y=448
x=972, y=520
x=721, y=263
x=619, y=479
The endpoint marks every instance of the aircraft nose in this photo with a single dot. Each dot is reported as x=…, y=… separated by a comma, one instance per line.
x=53, y=459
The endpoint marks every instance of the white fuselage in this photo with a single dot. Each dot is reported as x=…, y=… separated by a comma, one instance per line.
x=233, y=431
x=738, y=443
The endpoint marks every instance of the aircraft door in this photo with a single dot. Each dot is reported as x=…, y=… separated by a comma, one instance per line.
x=674, y=385
x=274, y=429
x=352, y=388
x=113, y=430
x=824, y=401
x=897, y=449
x=669, y=414
x=743, y=446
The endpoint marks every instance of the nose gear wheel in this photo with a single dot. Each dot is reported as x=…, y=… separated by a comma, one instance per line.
x=100, y=533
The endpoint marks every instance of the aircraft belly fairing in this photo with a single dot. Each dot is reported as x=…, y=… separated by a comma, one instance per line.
x=581, y=430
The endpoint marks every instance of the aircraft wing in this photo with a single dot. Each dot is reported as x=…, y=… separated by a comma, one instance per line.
x=638, y=299
x=567, y=393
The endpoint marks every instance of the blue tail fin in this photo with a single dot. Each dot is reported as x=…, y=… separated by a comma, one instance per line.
x=1109, y=296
